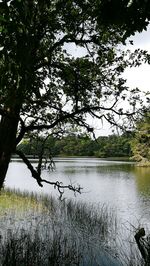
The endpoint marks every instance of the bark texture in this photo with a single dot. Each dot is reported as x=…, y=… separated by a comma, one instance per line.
x=8, y=131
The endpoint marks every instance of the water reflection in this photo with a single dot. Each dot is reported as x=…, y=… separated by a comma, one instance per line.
x=142, y=178
x=101, y=168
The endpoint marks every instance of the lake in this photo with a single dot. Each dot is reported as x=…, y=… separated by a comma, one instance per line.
x=122, y=186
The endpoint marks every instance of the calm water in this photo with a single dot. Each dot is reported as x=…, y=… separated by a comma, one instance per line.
x=120, y=185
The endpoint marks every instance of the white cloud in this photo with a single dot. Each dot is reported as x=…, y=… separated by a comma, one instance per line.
x=139, y=76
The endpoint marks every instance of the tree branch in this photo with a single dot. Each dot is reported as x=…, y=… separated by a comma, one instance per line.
x=22, y=131
x=36, y=175
x=66, y=115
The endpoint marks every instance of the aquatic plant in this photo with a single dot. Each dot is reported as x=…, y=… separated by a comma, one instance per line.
x=52, y=232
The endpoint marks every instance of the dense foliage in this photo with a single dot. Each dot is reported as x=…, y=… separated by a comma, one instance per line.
x=79, y=145
x=141, y=140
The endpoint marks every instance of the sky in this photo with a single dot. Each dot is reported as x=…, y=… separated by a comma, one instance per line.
x=135, y=76
x=140, y=76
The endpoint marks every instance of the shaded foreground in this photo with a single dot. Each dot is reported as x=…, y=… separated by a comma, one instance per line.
x=40, y=230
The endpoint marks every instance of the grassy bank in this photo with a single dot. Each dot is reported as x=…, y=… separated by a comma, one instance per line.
x=14, y=200
x=40, y=230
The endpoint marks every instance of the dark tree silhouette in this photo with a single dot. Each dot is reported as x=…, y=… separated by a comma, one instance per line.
x=42, y=86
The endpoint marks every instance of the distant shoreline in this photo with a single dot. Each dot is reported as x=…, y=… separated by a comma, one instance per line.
x=14, y=157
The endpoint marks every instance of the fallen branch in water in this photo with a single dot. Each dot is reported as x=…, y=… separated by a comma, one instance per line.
x=37, y=175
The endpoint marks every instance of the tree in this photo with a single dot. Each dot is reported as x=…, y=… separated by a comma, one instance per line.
x=42, y=86
x=129, y=15
x=114, y=146
x=141, y=141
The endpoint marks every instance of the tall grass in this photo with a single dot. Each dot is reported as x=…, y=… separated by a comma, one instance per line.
x=46, y=231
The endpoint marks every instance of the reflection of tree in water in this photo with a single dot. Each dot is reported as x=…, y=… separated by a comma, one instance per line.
x=102, y=167
x=142, y=178
x=114, y=169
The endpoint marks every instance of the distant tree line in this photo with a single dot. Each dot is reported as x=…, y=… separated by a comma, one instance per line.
x=134, y=144
x=79, y=145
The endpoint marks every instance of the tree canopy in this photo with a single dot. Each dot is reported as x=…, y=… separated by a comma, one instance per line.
x=78, y=145
x=43, y=86
x=128, y=15
x=141, y=141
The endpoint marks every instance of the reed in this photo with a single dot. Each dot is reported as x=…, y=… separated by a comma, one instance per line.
x=46, y=231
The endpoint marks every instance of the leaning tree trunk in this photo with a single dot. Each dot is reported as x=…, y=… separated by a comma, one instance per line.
x=8, y=131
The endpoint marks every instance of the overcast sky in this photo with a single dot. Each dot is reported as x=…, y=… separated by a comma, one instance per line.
x=136, y=77
x=140, y=76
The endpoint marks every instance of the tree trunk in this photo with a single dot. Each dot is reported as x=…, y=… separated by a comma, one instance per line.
x=8, y=131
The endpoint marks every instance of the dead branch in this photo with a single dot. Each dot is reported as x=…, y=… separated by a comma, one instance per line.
x=36, y=175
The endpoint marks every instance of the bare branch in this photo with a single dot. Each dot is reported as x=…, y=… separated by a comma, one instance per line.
x=64, y=116
x=36, y=175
